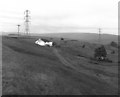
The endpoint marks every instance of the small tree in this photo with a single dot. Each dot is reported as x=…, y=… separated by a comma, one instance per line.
x=100, y=53
x=114, y=44
x=112, y=52
x=83, y=46
x=62, y=38
x=54, y=44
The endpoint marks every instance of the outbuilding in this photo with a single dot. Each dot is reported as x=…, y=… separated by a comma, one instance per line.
x=44, y=42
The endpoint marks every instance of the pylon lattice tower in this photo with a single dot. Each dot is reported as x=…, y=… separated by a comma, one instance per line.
x=27, y=22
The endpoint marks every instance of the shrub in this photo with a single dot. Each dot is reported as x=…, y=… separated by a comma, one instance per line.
x=108, y=60
x=114, y=44
x=83, y=46
x=62, y=38
x=54, y=44
x=113, y=52
x=100, y=53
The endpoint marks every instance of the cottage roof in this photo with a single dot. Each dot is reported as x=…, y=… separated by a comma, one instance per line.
x=45, y=40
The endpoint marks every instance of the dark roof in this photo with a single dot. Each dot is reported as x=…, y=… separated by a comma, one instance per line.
x=45, y=40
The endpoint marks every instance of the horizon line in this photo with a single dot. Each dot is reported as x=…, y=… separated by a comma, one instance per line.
x=6, y=32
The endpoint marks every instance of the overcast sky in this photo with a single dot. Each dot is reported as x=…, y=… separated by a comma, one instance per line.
x=60, y=15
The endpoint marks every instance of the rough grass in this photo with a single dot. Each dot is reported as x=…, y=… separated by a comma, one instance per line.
x=29, y=69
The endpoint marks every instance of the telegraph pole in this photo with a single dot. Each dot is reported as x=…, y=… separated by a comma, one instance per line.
x=27, y=21
x=99, y=35
x=18, y=29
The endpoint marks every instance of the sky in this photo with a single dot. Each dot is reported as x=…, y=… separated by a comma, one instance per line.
x=53, y=16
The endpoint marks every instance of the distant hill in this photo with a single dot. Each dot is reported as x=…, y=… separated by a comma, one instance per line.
x=90, y=37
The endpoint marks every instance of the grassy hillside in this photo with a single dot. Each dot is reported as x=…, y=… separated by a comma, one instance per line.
x=89, y=37
x=29, y=69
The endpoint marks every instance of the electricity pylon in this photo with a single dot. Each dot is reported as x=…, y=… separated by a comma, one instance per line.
x=27, y=22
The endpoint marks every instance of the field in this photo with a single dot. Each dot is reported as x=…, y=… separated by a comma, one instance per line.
x=67, y=69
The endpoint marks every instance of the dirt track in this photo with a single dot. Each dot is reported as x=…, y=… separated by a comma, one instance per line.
x=69, y=65
x=66, y=63
x=84, y=71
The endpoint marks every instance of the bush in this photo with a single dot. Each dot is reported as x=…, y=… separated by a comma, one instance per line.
x=113, y=52
x=62, y=38
x=100, y=53
x=83, y=46
x=108, y=60
x=114, y=44
x=54, y=44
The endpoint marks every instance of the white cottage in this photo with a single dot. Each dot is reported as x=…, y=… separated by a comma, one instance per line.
x=43, y=42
